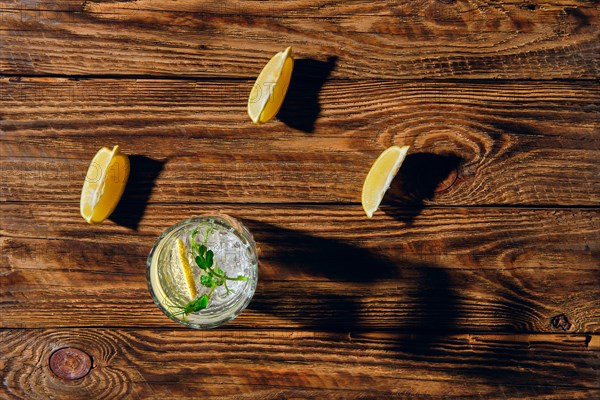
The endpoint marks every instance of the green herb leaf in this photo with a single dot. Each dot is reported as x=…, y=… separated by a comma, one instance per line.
x=196, y=305
x=206, y=280
x=200, y=262
x=203, y=302
x=209, y=258
x=202, y=249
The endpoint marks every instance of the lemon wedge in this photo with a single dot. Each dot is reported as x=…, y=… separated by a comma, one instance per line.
x=187, y=270
x=269, y=90
x=104, y=184
x=380, y=177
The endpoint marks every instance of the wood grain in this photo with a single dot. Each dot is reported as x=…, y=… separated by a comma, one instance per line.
x=515, y=142
x=284, y=364
x=478, y=279
x=444, y=270
x=413, y=39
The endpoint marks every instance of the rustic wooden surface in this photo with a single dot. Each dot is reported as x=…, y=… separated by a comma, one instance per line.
x=478, y=278
x=376, y=39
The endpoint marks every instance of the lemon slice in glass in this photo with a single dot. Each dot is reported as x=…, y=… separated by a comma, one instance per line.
x=270, y=88
x=104, y=184
x=380, y=177
x=187, y=270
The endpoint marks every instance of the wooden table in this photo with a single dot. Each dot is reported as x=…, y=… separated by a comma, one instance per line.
x=478, y=278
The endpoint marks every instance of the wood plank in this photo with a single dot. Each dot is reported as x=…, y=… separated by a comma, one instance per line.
x=443, y=270
x=512, y=143
x=274, y=8
x=284, y=364
x=413, y=39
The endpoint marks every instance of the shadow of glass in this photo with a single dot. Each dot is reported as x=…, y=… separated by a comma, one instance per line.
x=421, y=176
x=301, y=108
x=303, y=258
x=144, y=171
x=420, y=306
x=434, y=312
x=298, y=303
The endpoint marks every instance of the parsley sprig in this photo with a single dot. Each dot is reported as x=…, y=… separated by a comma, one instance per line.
x=212, y=276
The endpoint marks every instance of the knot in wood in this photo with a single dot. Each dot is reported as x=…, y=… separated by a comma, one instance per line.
x=561, y=322
x=70, y=363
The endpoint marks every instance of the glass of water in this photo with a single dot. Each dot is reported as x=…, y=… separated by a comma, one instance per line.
x=208, y=292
